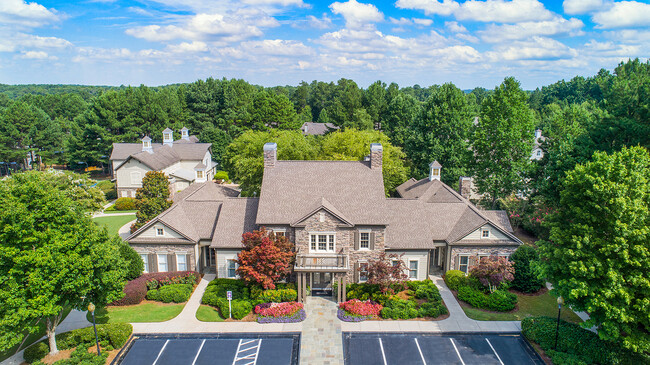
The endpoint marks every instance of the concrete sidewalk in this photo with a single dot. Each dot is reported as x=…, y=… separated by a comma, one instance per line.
x=125, y=231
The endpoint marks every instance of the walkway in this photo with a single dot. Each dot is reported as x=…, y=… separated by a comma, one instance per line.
x=125, y=231
x=321, y=342
x=456, y=322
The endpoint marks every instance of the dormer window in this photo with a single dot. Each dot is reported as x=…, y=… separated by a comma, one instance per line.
x=167, y=136
x=434, y=170
x=485, y=233
x=199, y=174
x=146, y=144
x=160, y=232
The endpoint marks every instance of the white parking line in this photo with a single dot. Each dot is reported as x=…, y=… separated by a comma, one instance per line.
x=420, y=350
x=457, y=353
x=381, y=345
x=495, y=352
x=198, y=352
x=160, y=353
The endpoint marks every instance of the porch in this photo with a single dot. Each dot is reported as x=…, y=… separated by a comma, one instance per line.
x=320, y=273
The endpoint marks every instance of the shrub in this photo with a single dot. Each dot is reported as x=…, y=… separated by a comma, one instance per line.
x=240, y=308
x=134, y=264
x=221, y=175
x=278, y=309
x=455, y=279
x=108, y=188
x=277, y=296
x=526, y=279
x=356, y=307
x=431, y=309
x=177, y=293
x=218, y=288
x=36, y=352
x=500, y=300
x=186, y=278
x=575, y=344
x=136, y=290
x=125, y=204
x=399, y=309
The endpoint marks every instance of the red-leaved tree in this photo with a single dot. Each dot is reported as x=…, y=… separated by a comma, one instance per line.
x=492, y=271
x=265, y=259
x=386, y=271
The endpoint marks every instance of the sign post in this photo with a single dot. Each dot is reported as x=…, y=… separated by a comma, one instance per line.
x=229, y=296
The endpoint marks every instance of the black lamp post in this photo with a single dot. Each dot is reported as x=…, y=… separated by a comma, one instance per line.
x=91, y=309
x=560, y=301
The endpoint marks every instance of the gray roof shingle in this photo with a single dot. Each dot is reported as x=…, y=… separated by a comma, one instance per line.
x=237, y=217
x=162, y=155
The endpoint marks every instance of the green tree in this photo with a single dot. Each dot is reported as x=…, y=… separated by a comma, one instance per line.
x=502, y=142
x=132, y=260
x=599, y=247
x=152, y=198
x=441, y=132
x=526, y=261
x=400, y=115
x=220, y=140
x=52, y=255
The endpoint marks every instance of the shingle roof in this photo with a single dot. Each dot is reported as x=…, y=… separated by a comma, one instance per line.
x=324, y=204
x=237, y=217
x=161, y=156
x=317, y=128
x=291, y=189
x=499, y=217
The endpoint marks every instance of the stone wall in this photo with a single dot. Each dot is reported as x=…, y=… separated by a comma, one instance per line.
x=474, y=253
x=160, y=249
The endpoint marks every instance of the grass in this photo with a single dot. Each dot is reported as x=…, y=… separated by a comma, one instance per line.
x=143, y=312
x=114, y=223
x=106, y=211
x=205, y=313
x=31, y=338
x=528, y=306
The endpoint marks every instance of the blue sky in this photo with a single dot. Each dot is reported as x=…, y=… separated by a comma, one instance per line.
x=282, y=42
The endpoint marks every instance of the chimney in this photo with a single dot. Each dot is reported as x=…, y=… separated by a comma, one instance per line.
x=376, y=154
x=168, y=137
x=146, y=144
x=465, y=186
x=270, y=154
x=185, y=134
x=434, y=171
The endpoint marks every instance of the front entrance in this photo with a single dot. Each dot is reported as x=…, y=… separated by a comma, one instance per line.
x=436, y=260
x=321, y=284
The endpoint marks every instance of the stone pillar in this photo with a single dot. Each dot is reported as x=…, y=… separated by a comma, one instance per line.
x=299, y=287
x=465, y=186
x=376, y=154
x=270, y=155
x=344, y=284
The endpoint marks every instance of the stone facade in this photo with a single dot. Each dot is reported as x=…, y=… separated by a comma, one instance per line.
x=270, y=155
x=167, y=249
x=376, y=155
x=474, y=253
x=465, y=186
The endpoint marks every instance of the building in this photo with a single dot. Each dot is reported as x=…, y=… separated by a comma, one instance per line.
x=339, y=218
x=317, y=129
x=185, y=161
x=538, y=152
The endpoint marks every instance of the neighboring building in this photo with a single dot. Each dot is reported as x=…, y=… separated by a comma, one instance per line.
x=185, y=161
x=317, y=128
x=339, y=218
x=538, y=152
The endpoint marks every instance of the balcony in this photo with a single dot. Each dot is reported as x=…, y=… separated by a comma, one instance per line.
x=321, y=262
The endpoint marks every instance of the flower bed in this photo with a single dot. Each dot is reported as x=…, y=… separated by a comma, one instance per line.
x=288, y=312
x=136, y=290
x=355, y=310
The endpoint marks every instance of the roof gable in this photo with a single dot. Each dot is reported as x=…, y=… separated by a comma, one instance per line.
x=328, y=207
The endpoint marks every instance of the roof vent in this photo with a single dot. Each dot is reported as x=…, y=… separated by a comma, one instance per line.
x=146, y=144
x=434, y=170
x=168, y=137
x=185, y=134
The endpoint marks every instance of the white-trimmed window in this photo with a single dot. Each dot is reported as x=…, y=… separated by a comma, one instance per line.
x=485, y=232
x=160, y=231
x=363, y=272
x=231, y=266
x=280, y=232
x=322, y=242
x=413, y=269
x=364, y=240
x=146, y=144
x=162, y=263
x=463, y=263
x=539, y=153
x=145, y=261
x=136, y=178
x=199, y=174
x=181, y=262
x=481, y=256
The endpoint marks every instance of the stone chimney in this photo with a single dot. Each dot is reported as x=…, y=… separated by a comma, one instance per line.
x=185, y=134
x=376, y=154
x=146, y=144
x=270, y=154
x=434, y=170
x=168, y=137
x=465, y=186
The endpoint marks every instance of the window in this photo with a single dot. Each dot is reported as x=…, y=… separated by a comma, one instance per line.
x=435, y=172
x=480, y=257
x=135, y=178
x=539, y=153
x=167, y=136
x=413, y=269
x=199, y=174
x=279, y=232
x=160, y=231
x=147, y=144
x=124, y=192
x=485, y=233
x=364, y=240
x=363, y=272
x=181, y=262
x=322, y=242
x=232, y=268
x=395, y=263
x=145, y=260
x=463, y=263
x=162, y=263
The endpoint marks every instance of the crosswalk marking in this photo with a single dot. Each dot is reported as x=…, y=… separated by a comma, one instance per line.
x=247, y=352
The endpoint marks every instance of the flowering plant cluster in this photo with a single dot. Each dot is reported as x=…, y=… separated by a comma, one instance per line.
x=359, y=308
x=287, y=312
x=185, y=278
x=347, y=317
x=299, y=316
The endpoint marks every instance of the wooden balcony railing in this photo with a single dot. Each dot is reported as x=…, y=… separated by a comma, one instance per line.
x=321, y=262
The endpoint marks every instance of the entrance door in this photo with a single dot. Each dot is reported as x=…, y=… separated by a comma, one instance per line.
x=322, y=284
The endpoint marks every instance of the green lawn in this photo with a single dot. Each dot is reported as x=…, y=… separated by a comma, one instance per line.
x=119, y=211
x=144, y=312
x=114, y=223
x=529, y=305
x=31, y=338
x=205, y=313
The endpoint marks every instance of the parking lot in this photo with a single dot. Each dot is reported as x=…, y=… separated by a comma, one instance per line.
x=198, y=349
x=428, y=349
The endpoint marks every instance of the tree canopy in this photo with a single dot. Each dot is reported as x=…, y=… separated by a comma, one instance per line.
x=152, y=198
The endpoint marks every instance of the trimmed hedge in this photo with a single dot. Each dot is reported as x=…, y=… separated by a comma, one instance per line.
x=500, y=300
x=113, y=334
x=177, y=293
x=400, y=309
x=125, y=204
x=136, y=290
x=455, y=279
x=575, y=345
x=278, y=296
x=240, y=308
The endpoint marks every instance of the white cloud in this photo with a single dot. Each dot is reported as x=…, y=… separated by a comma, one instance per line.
x=500, y=11
x=21, y=13
x=139, y=11
x=609, y=49
x=455, y=27
x=421, y=21
x=313, y=22
x=184, y=47
x=412, y=21
x=277, y=47
x=23, y=42
x=400, y=21
x=357, y=14
x=581, y=6
x=557, y=26
x=275, y=2
x=624, y=14
x=35, y=55
x=538, y=48
x=467, y=37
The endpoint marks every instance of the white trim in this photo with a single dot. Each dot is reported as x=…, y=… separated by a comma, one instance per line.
x=184, y=256
x=228, y=261
x=328, y=243
x=467, y=264
x=363, y=262
x=368, y=232
x=483, y=230
x=417, y=269
x=145, y=261
x=159, y=230
x=159, y=262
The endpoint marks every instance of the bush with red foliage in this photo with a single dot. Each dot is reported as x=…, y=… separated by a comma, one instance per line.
x=278, y=309
x=265, y=259
x=357, y=307
x=136, y=290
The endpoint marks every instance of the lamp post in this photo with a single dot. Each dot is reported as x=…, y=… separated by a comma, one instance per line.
x=91, y=309
x=560, y=301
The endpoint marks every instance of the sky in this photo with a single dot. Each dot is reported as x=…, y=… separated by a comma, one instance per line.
x=283, y=42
